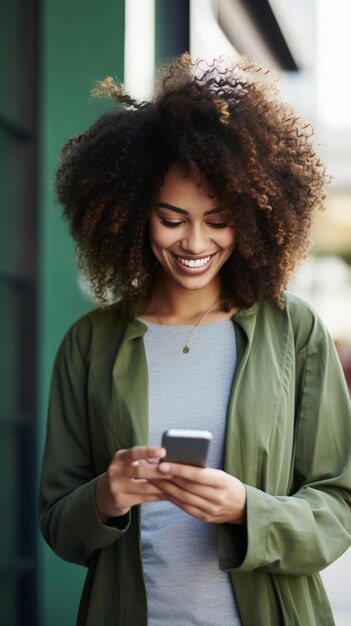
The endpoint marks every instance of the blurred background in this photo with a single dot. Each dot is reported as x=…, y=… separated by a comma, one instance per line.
x=51, y=55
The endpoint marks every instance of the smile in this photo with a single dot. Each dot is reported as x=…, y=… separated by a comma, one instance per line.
x=194, y=262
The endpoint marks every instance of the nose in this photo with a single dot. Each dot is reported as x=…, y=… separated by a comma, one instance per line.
x=195, y=240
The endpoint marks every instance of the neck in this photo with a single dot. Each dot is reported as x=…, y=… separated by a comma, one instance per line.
x=182, y=304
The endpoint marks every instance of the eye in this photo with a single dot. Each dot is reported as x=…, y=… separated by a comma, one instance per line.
x=171, y=223
x=218, y=224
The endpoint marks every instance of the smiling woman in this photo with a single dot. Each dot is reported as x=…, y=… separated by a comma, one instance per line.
x=192, y=210
x=227, y=129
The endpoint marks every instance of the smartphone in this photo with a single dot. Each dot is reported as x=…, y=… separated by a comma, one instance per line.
x=186, y=446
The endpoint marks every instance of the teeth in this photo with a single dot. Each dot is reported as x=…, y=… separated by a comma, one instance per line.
x=194, y=263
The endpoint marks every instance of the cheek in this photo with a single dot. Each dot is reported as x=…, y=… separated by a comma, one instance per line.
x=160, y=237
x=228, y=241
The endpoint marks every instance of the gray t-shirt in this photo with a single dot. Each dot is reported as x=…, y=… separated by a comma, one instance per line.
x=184, y=584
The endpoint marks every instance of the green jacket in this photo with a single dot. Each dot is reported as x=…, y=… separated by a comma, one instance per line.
x=288, y=439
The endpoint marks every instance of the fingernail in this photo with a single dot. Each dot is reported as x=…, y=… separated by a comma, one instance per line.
x=164, y=467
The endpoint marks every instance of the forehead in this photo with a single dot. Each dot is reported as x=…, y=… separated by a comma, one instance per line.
x=182, y=190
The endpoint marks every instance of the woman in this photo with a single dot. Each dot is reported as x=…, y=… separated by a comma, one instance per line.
x=190, y=212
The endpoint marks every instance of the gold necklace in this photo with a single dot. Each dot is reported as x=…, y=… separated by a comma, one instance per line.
x=193, y=331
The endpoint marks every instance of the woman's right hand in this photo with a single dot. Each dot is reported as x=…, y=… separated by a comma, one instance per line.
x=125, y=483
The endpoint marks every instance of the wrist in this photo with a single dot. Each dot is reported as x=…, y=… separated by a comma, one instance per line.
x=105, y=505
x=241, y=517
x=99, y=499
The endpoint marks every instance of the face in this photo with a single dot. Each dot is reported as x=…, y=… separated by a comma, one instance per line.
x=188, y=233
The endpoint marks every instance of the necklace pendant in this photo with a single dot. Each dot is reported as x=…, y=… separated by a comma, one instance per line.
x=186, y=349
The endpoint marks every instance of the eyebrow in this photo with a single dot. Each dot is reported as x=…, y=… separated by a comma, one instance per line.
x=166, y=205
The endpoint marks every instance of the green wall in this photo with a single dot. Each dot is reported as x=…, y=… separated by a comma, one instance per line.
x=172, y=23
x=80, y=43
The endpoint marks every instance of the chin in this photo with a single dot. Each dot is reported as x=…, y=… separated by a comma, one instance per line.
x=195, y=283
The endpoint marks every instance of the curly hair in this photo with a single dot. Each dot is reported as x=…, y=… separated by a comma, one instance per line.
x=222, y=123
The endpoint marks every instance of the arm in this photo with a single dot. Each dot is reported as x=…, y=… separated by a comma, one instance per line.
x=80, y=511
x=68, y=516
x=304, y=532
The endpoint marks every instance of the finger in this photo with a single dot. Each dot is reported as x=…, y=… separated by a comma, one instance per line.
x=172, y=491
x=134, y=485
x=204, y=475
x=135, y=488
x=158, y=498
x=200, y=514
x=140, y=452
x=119, y=473
x=143, y=487
x=139, y=487
x=146, y=471
x=154, y=461
x=207, y=492
x=228, y=505
x=120, y=464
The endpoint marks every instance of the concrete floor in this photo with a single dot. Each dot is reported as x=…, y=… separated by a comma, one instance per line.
x=337, y=580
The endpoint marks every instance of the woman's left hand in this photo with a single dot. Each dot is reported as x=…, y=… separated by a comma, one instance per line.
x=210, y=495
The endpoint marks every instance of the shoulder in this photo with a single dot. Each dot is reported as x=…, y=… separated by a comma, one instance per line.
x=298, y=319
x=307, y=325
x=100, y=326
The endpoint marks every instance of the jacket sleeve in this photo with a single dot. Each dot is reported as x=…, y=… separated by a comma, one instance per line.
x=302, y=533
x=68, y=517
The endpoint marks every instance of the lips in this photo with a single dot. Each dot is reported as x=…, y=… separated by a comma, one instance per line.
x=191, y=265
